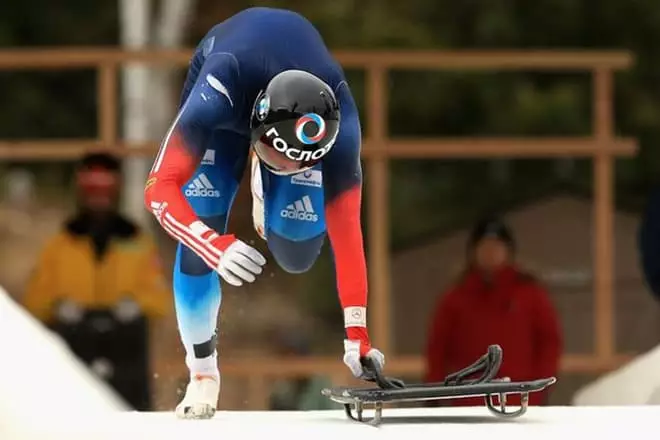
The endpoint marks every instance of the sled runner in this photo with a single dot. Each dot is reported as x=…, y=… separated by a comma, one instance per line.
x=460, y=384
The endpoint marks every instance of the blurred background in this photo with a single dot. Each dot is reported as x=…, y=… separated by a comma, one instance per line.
x=510, y=149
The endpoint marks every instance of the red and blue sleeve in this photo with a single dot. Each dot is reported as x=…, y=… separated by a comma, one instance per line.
x=209, y=104
x=342, y=179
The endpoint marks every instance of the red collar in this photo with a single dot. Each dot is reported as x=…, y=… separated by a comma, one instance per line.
x=478, y=280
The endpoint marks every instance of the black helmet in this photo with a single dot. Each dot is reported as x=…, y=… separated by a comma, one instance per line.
x=294, y=122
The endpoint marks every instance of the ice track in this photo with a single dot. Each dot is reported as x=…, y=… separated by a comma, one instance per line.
x=563, y=423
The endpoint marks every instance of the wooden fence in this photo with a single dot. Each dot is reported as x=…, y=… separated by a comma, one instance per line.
x=602, y=147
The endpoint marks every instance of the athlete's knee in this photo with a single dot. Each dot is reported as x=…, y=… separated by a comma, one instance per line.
x=295, y=256
x=196, y=285
x=191, y=264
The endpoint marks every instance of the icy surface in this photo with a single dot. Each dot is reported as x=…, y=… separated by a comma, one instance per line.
x=399, y=424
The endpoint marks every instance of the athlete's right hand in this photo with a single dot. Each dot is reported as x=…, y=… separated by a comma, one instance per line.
x=240, y=263
x=235, y=261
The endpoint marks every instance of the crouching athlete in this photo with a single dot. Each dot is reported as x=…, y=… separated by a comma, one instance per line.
x=262, y=88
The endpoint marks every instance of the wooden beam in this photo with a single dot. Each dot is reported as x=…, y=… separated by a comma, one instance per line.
x=467, y=148
x=545, y=60
x=91, y=57
x=499, y=147
x=76, y=58
x=61, y=149
x=64, y=151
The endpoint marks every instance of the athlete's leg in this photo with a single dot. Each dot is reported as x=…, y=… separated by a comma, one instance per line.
x=197, y=294
x=294, y=218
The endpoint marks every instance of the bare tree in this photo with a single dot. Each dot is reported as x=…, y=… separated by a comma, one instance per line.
x=148, y=104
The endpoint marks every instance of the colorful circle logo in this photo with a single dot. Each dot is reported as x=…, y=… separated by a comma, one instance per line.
x=310, y=118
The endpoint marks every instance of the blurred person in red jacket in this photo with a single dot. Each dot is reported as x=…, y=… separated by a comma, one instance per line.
x=494, y=302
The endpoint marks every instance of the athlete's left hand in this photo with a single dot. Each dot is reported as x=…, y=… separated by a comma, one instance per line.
x=357, y=344
x=352, y=358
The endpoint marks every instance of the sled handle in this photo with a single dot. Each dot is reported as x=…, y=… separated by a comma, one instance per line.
x=373, y=373
x=488, y=365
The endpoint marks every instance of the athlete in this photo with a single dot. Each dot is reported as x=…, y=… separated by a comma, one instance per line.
x=261, y=87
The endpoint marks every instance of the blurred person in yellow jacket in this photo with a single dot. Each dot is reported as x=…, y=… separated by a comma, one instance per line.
x=98, y=283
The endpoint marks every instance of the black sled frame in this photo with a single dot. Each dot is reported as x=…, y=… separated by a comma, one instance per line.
x=455, y=386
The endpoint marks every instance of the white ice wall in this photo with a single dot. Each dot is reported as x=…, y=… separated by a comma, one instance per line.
x=636, y=383
x=39, y=374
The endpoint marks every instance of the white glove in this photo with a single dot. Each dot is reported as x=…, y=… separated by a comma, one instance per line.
x=239, y=263
x=352, y=358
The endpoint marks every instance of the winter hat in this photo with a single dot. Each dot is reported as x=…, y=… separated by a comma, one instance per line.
x=492, y=227
x=98, y=173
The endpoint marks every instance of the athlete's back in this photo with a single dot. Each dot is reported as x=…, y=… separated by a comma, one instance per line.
x=264, y=42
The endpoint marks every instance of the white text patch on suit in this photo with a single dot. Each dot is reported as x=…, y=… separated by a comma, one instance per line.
x=308, y=178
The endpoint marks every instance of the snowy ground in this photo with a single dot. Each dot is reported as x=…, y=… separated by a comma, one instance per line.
x=622, y=423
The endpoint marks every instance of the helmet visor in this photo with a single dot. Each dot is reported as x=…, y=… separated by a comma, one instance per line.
x=277, y=162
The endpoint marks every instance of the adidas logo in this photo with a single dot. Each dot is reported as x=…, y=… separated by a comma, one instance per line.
x=201, y=186
x=300, y=210
x=209, y=157
x=158, y=209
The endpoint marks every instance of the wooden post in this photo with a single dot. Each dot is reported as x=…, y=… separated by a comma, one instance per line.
x=106, y=91
x=603, y=237
x=258, y=391
x=378, y=211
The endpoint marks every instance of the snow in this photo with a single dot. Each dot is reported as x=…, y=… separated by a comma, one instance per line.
x=539, y=423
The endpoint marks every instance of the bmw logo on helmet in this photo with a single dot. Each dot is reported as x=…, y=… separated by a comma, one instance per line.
x=318, y=130
x=263, y=107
